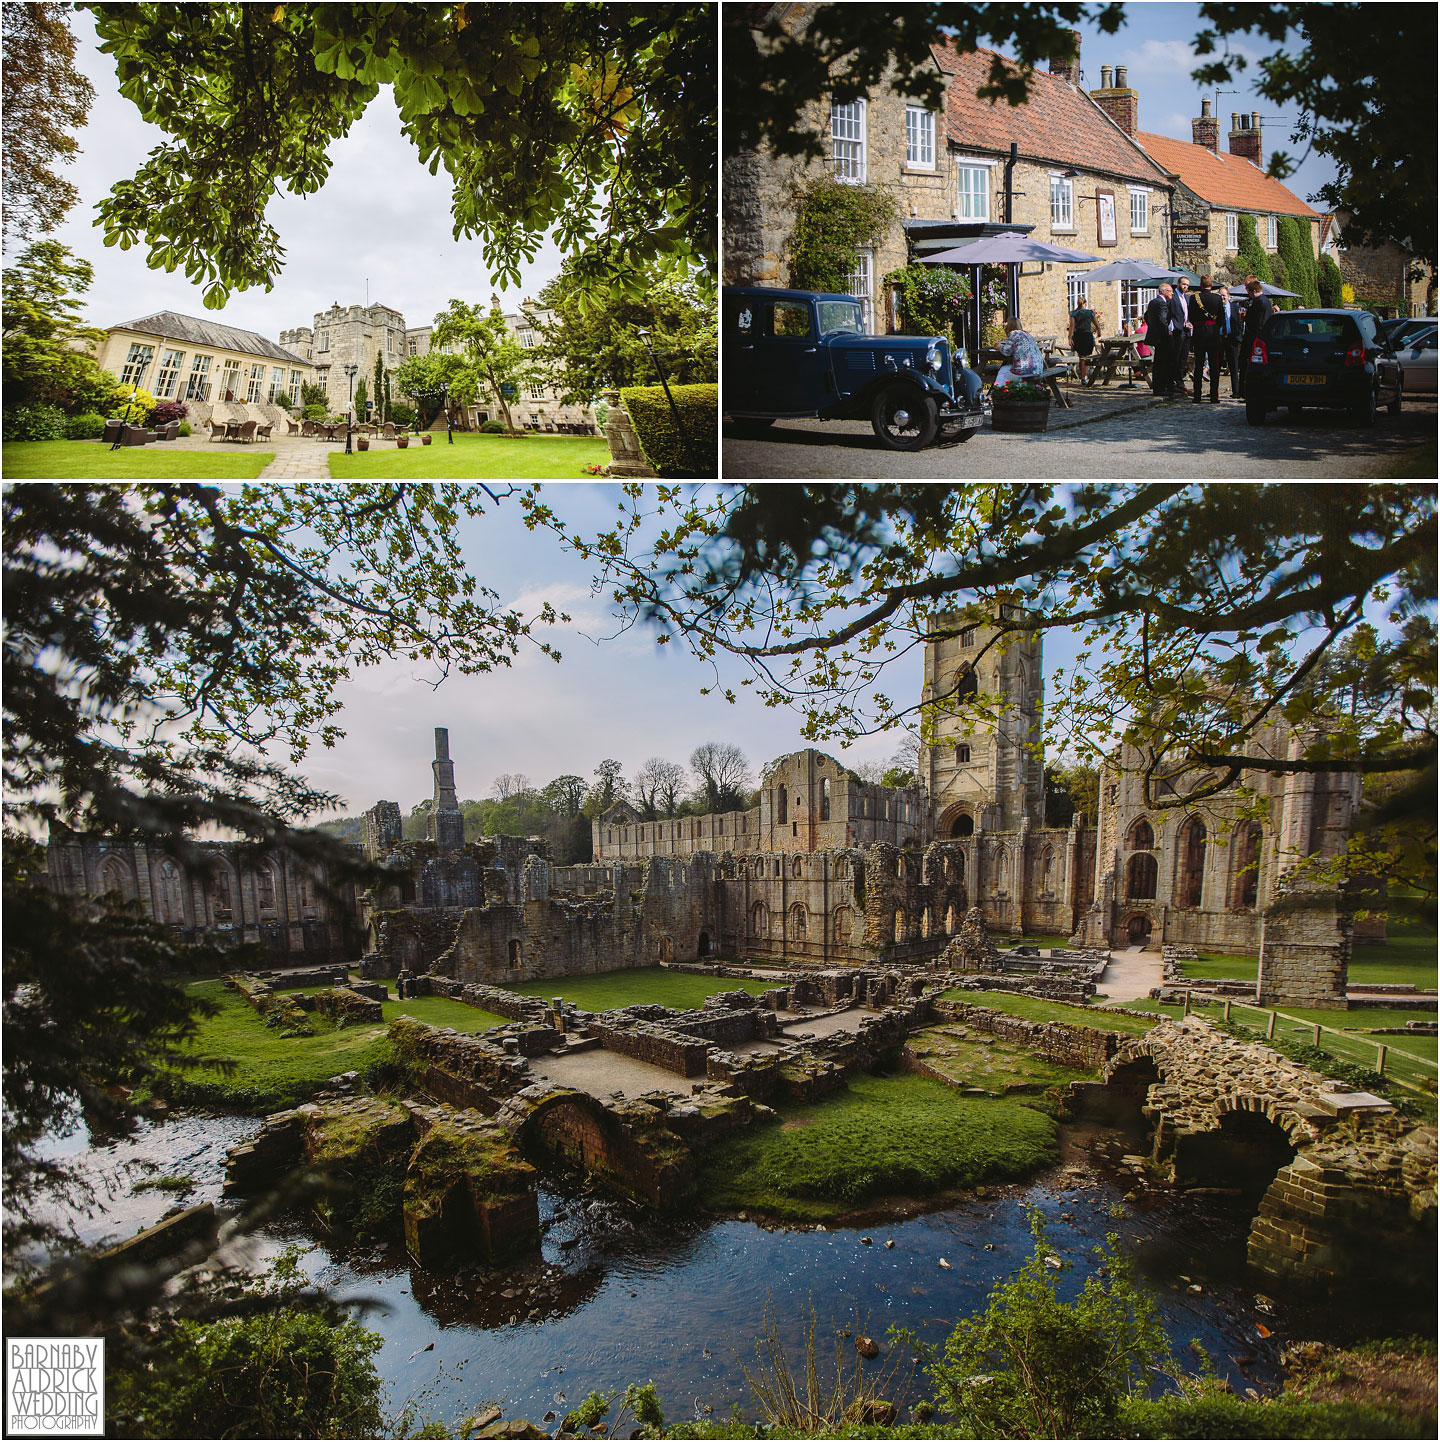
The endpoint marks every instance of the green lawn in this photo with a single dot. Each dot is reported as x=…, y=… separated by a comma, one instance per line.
x=1410, y=955
x=1003, y=1069
x=880, y=1136
x=1036, y=1009
x=477, y=458
x=1045, y=943
x=271, y=1072
x=652, y=985
x=1217, y=966
x=76, y=460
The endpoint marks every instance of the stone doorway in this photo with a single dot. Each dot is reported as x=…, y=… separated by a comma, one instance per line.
x=1137, y=931
x=702, y=948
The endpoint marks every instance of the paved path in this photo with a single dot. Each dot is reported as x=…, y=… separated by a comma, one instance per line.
x=300, y=459
x=1173, y=439
x=604, y=1073
x=1131, y=974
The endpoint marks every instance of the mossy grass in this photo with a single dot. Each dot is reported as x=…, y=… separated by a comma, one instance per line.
x=77, y=460
x=650, y=985
x=250, y=1067
x=977, y=1059
x=1034, y=1008
x=878, y=1137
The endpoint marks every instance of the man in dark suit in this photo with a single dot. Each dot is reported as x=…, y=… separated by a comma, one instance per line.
x=1256, y=314
x=1159, y=318
x=1232, y=321
x=1180, y=309
x=1206, y=315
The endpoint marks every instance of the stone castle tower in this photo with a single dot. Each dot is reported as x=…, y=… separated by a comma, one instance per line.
x=349, y=335
x=994, y=776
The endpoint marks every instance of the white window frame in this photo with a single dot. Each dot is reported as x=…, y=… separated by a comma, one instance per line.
x=919, y=138
x=255, y=386
x=974, y=167
x=172, y=362
x=1142, y=194
x=295, y=380
x=230, y=378
x=137, y=362
x=1271, y=233
x=1232, y=230
x=1062, y=190
x=197, y=388
x=860, y=282
x=324, y=342
x=1077, y=289
x=537, y=393
x=849, y=164
x=1134, y=312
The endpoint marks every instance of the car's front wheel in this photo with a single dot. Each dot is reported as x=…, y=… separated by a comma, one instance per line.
x=903, y=419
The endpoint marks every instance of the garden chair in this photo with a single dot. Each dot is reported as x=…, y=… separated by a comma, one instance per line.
x=112, y=432
x=292, y=428
x=389, y=432
x=134, y=436
x=263, y=433
x=307, y=428
x=166, y=432
x=217, y=428
x=246, y=431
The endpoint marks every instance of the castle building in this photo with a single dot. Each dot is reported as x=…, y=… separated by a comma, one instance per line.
x=349, y=335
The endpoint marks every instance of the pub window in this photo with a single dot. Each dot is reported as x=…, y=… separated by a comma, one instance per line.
x=919, y=137
x=847, y=141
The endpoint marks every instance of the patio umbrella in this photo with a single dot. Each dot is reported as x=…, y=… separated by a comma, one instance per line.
x=1008, y=248
x=1275, y=290
x=1163, y=276
x=1141, y=270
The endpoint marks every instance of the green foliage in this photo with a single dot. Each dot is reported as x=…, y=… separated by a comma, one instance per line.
x=312, y=395
x=492, y=428
x=1214, y=1413
x=48, y=353
x=651, y=985
x=832, y=221
x=361, y=395
x=1068, y=789
x=1293, y=241
x=1328, y=282
x=479, y=457
x=1034, y=1008
x=1032, y=1365
x=315, y=411
x=932, y=298
x=595, y=127
x=591, y=340
x=185, y=429
x=287, y=1372
x=1251, y=258
x=498, y=366
x=87, y=427
x=36, y=423
x=402, y=414
x=690, y=451
x=878, y=1137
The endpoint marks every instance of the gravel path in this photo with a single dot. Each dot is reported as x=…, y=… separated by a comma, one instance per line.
x=1173, y=440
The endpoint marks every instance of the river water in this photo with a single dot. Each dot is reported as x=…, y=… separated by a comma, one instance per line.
x=617, y=1296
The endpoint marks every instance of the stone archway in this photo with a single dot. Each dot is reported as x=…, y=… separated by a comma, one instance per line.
x=1245, y=1152
x=956, y=820
x=702, y=947
x=1137, y=930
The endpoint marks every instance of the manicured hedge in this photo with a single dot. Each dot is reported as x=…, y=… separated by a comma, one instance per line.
x=86, y=427
x=654, y=423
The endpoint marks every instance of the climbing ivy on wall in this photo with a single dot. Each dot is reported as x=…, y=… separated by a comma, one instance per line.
x=1293, y=242
x=832, y=222
x=1250, y=257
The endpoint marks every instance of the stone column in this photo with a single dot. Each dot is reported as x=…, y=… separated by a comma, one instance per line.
x=627, y=459
x=1305, y=940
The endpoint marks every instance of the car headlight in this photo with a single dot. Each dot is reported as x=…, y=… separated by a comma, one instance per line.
x=933, y=357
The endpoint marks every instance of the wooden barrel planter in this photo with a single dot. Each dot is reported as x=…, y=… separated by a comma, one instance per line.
x=1020, y=416
x=425, y=439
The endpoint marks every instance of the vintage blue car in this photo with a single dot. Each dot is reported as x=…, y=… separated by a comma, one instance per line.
x=790, y=354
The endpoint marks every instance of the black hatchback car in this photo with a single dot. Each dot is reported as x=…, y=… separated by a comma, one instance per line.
x=1332, y=359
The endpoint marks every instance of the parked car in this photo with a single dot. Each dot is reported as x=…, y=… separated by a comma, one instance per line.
x=1331, y=359
x=1402, y=327
x=792, y=354
x=1416, y=350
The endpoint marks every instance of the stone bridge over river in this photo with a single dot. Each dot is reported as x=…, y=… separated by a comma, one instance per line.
x=1346, y=1184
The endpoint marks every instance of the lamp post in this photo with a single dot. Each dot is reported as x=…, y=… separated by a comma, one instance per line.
x=644, y=336
x=350, y=373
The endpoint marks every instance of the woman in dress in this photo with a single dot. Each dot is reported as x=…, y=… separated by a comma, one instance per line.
x=1023, y=349
x=1083, y=325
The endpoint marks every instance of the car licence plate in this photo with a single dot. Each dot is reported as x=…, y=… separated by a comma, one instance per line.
x=970, y=422
x=1292, y=380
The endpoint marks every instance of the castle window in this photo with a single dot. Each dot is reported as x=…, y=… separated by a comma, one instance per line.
x=265, y=888
x=967, y=637
x=964, y=826
x=899, y=927
x=965, y=684
x=798, y=921
x=825, y=799
x=221, y=901
x=1191, y=877
x=169, y=894
x=1247, y=866
x=1142, y=836
x=759, y=921
x=962, y=755
x=515, y=956
x=783, y=805
x=844, y=925
x=1140, y=877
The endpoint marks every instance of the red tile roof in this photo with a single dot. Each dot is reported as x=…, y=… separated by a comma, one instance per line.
x=1224, y=180
x=1059, y=124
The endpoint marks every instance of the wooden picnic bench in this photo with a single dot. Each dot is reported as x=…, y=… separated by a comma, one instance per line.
x=992, y=362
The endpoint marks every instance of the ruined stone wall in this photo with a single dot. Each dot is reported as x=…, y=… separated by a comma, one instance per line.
x=1085, y=1048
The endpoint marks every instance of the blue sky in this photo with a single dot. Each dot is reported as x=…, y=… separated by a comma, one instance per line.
x=615, y=693
x=1156, y=42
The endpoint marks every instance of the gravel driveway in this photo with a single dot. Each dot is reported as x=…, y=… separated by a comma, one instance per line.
x=1173, y=440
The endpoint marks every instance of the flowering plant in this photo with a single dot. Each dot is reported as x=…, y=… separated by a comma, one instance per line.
x=931, y=297
x=595, y=470
x=1019, y=391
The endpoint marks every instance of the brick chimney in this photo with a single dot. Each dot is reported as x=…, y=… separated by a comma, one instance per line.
x=1117, y=100
x=1245, y=136
x=1068, y=69
x=1205, y=130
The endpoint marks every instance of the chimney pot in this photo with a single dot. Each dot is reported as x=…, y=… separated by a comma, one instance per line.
x=1068, y=68
x=1107, y=75
x=1204, y=107
x=1120, y=72
x=1254, y=120
x=1234, y=120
